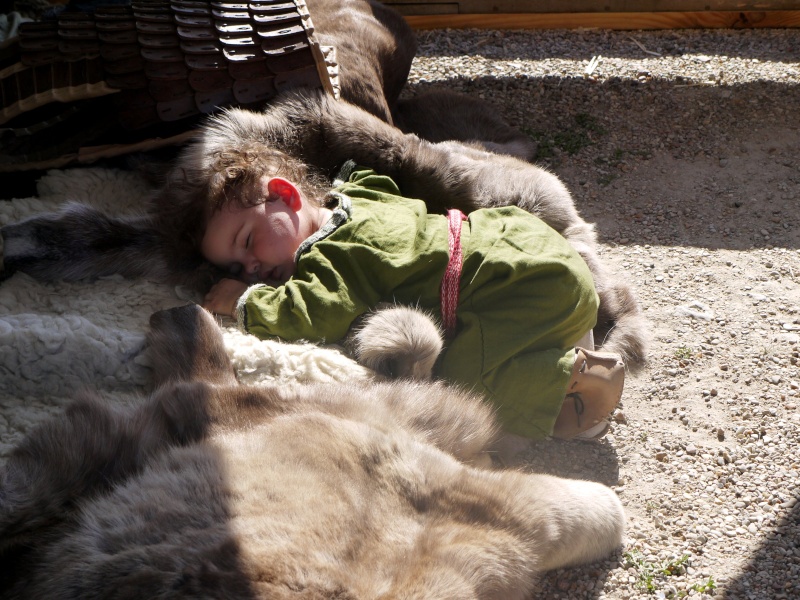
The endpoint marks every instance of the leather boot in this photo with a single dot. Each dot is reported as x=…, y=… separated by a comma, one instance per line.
x=594, y=390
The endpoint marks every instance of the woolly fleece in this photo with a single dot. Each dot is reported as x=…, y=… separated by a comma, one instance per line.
x=57, y=339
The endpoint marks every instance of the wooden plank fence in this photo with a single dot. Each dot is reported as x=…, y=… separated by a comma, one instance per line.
x=606, y=14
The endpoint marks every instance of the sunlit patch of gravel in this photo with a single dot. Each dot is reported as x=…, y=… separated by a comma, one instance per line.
x=684, y=148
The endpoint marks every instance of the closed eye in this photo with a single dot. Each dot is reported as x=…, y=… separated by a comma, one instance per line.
x=248, y=240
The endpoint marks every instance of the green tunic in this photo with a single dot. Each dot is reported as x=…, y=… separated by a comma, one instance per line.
x=526, y=296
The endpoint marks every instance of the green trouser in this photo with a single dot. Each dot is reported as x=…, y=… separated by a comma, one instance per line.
x=519, y=317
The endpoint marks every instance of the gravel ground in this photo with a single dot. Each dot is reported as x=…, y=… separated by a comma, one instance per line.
x=684, y=148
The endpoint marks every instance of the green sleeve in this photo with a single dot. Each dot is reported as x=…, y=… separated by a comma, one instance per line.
x=367, y=184
x=320, y=306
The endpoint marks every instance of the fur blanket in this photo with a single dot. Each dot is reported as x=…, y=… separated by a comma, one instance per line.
x=56, y=339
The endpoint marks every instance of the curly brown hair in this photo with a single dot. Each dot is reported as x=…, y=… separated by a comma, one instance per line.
x=225, y=178
x=235, y=172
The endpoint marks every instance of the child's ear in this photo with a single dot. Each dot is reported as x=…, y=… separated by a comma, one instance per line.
x=278, y=187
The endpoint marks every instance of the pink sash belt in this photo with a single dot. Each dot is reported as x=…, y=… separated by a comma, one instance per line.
x=452, y=274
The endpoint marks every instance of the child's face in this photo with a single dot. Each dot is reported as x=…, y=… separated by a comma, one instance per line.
x=257, y=243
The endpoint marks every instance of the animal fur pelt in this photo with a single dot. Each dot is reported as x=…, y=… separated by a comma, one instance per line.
x=58, y=337
x=211, y=489
x=374, y=49
x=82, y=243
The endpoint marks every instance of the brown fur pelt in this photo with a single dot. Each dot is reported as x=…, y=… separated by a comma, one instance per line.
x=211, y=489
x=374, y=48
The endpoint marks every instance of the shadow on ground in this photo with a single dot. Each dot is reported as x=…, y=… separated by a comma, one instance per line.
x=777, y=561
x=728, y=153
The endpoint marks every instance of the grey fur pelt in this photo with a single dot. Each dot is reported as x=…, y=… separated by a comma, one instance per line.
x=210, y=489
x=324, y=133
x=396, y=341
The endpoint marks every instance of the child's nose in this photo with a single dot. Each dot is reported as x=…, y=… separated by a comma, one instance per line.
x=253, y=266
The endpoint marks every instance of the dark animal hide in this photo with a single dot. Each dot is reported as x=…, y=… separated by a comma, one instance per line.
x=374, y=48
x=210, y=489
x=81, y=242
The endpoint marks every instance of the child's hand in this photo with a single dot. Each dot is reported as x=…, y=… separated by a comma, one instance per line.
x=221, y=299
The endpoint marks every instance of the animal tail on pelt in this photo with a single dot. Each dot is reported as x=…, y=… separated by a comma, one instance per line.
x=621, y=326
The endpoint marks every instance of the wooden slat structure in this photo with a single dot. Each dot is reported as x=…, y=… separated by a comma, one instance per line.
x=605, y=14
x=134, y=76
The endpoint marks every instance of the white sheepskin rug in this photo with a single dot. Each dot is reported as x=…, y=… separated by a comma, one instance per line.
x=57, y=339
